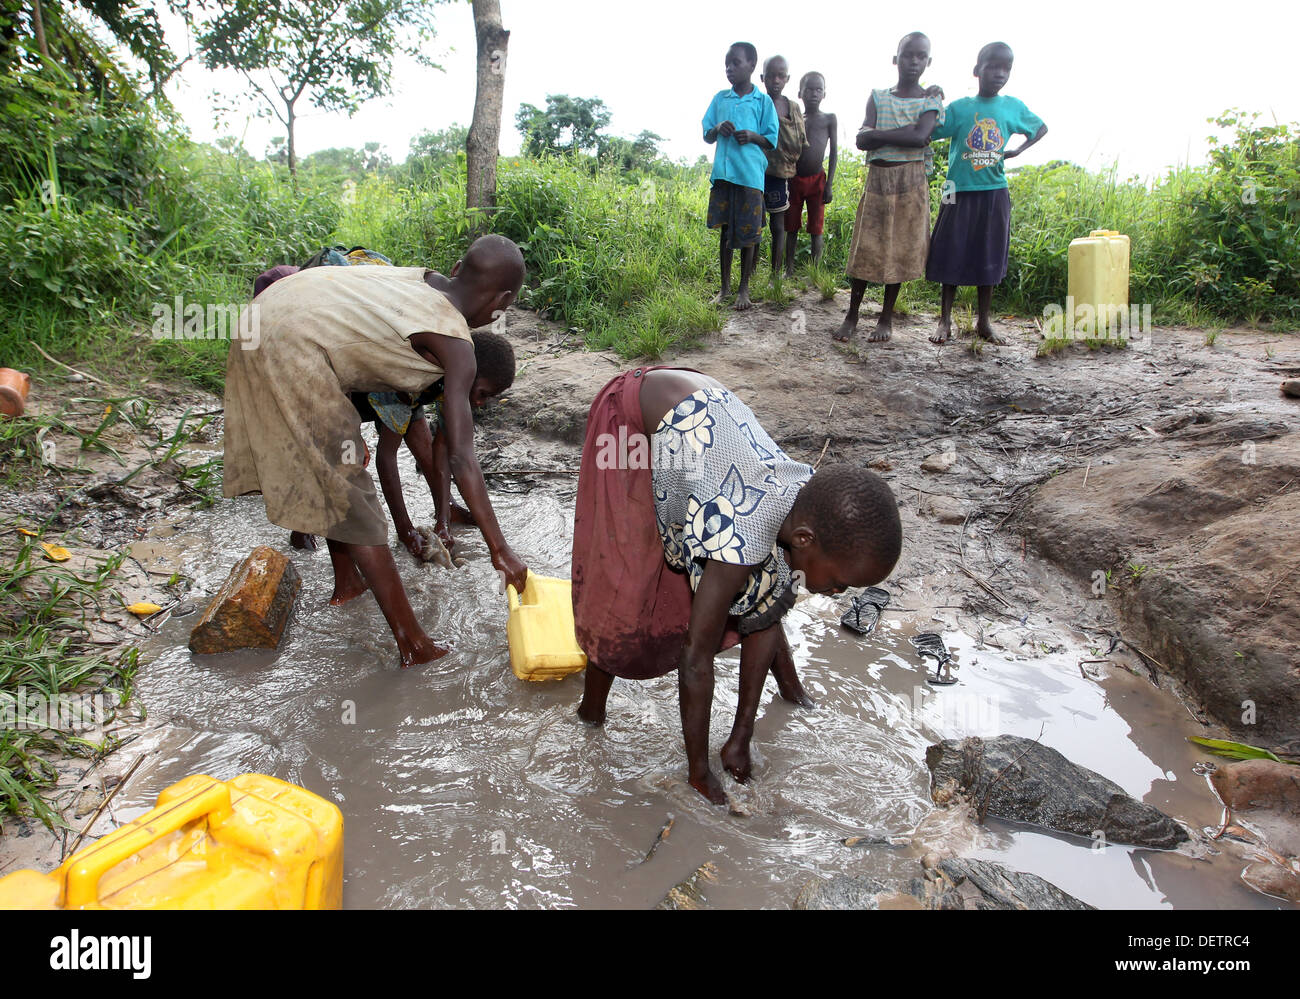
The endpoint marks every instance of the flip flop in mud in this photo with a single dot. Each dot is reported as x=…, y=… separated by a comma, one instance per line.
x=930, y=646
x=863, y=613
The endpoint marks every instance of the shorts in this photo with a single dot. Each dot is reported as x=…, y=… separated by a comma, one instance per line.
x=811, y=190
x=776, y=194
x=738, y=210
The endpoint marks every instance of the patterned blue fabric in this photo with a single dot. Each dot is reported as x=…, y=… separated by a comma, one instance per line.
x=722, y=489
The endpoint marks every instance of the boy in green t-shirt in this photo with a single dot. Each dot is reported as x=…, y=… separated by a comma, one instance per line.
x=972, y=235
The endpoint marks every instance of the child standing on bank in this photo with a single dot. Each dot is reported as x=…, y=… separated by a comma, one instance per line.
x=972, y=236
x=812, y=182
x=781, y=160
x=742, y=121
x=891, y=233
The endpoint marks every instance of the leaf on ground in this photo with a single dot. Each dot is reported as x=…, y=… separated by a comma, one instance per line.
x=143, y=609
x=55, y=553
x=1234, y=750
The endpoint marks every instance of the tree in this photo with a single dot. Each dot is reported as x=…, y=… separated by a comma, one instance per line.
x=59, y=39
x=483, y=143
x=335, y=53
x=568, y=125
x=630, y=155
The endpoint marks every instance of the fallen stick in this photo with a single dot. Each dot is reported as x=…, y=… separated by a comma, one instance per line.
x=69, y=367
x=111, y=795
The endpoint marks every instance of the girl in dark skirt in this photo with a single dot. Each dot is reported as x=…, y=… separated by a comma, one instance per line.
x=972, y=236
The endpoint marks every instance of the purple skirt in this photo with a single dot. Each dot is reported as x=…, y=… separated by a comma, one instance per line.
x=971, y=239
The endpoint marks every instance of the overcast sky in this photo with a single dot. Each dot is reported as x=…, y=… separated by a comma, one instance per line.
x=1126, y=80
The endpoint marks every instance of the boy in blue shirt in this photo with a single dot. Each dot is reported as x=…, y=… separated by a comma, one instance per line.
x=742, y=121
x=972, y=236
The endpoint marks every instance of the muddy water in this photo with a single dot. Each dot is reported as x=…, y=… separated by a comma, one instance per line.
x=464, y=787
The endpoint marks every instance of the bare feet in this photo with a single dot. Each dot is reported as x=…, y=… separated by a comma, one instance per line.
x=942, y=332
x=846, y=330
x=459, y=515
x=789, y=273
x=986, y=333
x=709, y=787
x=720, y=297
x=591, y=714
x=303, y=542
x=347, y=587
x=418, y=652
x=736, y=759
x=743, y=302
x=883, y=331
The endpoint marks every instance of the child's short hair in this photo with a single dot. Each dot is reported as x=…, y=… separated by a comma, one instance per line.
x=803, y=80
x=853, y=511
x=751, y=53
x=908, y=37
x=988, y=50
x=495, y=359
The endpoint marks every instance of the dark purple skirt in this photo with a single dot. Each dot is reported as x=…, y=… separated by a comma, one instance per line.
x=971, y=239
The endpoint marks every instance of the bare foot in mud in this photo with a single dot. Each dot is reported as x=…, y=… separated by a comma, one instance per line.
x=736, y=759
x=303, y=542
x=846, y=330
x=881, y=333
x=942, y=333
x=419, y=652
x=709, y=787
x=348, y=588
x=743, y=302
x=986, y=333
x=595, y=717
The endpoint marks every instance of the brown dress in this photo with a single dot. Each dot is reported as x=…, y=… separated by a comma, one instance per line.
x=292, y=433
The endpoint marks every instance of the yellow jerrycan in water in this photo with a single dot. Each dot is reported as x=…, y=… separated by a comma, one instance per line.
x=543, y=644
x=1098, y=282
x=254, y=842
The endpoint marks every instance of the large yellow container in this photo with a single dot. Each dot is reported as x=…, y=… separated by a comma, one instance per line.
x=1098, y=282
x=543, y=645
x=254, y=842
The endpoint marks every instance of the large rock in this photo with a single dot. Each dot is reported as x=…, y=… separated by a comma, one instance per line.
x=981, y=884
x=1218, y=605
x=252, y=606
x=951, y=884
x=1018, y=779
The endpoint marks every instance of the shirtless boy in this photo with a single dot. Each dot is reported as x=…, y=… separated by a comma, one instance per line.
x=812, y=183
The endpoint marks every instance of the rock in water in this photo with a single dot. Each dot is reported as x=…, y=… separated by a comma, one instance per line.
x=251, y=608
x=1291, y=387
x=1019, y=779
x=689, y=894
x=435, y=551
x=948, y=884
x=981, y=884
x=843, y=891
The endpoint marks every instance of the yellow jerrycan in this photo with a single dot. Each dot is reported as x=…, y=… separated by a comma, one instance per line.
x=1098, y=282
x=254, y=842
x=543, y=644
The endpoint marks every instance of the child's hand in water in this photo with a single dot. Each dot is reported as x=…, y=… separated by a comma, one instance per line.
x=443, y=531
x=414, y=542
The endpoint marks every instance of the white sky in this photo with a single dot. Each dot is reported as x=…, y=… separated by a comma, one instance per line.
x=1130, y=80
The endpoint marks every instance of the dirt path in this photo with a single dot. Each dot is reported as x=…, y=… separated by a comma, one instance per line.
x=998, y=454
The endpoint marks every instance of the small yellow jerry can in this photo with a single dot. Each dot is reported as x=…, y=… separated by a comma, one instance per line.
x=543, y=645
x=254, y=842
x=1098, y=281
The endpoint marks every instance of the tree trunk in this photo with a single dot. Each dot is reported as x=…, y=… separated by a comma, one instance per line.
x=38, y=25
x=293, y=156
x=482, y=146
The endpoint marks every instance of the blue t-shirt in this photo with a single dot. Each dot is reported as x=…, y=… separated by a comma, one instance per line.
x=980, y=128
x=744, y=165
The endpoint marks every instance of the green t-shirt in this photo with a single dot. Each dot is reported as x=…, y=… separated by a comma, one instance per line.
x=980, y=128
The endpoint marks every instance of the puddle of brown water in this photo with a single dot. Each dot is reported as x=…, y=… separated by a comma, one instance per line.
x=462, y=786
